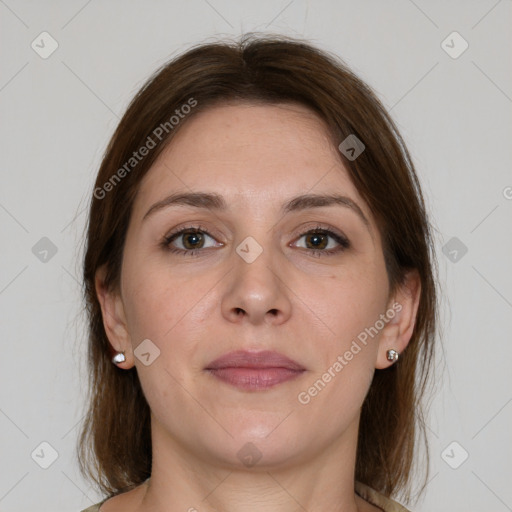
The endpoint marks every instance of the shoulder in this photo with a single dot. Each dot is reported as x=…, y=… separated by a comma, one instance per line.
x=93, y=508
x=125, y=501
x=379, y=500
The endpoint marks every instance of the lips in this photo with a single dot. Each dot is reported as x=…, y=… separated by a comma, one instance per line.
x=246, y=359
x=254, y=370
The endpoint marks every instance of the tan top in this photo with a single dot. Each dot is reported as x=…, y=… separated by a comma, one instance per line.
x=367, y=493
x=379, y=500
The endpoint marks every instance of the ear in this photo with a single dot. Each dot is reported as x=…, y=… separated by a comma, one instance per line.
x=401, y=315
x=114, y=320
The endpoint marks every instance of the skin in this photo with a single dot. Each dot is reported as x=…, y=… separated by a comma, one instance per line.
x=308, y=307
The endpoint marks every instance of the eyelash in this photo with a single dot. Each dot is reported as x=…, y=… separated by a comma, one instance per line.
x=341, y=239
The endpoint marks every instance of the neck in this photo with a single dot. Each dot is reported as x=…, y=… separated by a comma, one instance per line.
x=183, y=480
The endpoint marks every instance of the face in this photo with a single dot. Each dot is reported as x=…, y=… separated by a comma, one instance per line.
x=255, y=271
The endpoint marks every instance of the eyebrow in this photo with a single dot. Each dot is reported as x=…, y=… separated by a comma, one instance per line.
x=216, y=202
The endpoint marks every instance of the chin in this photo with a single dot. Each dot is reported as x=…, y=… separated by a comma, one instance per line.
x=260, y=445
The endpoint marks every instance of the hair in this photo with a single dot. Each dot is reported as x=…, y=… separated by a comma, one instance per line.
x=114, y=446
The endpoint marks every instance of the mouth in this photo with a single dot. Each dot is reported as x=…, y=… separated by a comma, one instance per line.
x=254, y=371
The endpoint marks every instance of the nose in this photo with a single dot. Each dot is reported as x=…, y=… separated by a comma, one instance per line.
x=255, y=293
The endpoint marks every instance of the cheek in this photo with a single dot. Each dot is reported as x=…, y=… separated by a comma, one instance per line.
x=350, y=300
x=160, y=302
x=350, y=305
x=346, y=356
x=166, y=309
x=175, y=312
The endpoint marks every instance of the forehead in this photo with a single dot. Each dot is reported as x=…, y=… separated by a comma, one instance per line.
x=249, y=151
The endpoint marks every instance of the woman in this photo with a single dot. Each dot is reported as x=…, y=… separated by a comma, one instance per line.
x=260, y=293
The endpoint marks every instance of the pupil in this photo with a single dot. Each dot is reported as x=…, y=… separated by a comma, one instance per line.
x=189, y=236
x=317, y=239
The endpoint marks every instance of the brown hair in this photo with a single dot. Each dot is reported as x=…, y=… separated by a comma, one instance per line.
x=115, y=442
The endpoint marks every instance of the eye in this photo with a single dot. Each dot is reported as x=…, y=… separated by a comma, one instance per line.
x=187, y=240
x=317, y=241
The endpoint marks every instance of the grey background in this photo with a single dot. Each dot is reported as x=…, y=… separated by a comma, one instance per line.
x=58, y=113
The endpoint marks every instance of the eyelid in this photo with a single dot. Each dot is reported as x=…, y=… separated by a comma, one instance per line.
x=319, y=226
x=341, y=239
x=193, y=227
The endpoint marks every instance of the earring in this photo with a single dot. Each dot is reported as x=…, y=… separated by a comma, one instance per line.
x=392, y=355
x=119, y=358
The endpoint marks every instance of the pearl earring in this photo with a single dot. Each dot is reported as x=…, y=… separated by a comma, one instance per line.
x=119, y=358
x=392, y=355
